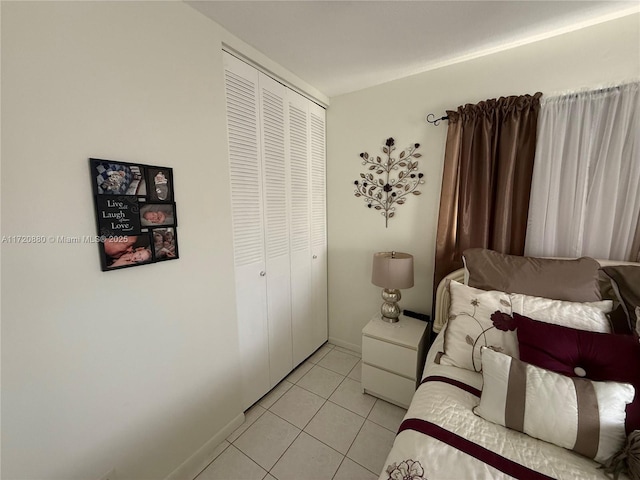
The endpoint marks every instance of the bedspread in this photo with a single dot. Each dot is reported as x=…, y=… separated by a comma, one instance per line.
x=441, y=437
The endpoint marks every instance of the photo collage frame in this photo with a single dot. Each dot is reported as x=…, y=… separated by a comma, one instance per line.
x=135, y=213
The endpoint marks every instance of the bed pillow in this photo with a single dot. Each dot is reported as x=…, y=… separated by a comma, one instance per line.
x=571, y=280
x=472, y=322
x=625, y=280
x=575, y=413
x=597, y=356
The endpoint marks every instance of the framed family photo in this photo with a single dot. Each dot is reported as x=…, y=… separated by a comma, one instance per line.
x=121, y=251
x=135, y=213
x=165, y=243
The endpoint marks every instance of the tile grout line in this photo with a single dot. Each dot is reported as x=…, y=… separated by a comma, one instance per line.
x=325, y=400
x=302, y=429
x=305, y=426
x=354, y=440
x=299, y=433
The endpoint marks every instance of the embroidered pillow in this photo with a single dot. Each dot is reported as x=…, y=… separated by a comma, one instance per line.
x=470, y=325
x=574, y=413
x=597, y=356
x=560, y=279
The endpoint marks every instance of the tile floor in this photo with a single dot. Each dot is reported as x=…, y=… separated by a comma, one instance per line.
x=314, y=425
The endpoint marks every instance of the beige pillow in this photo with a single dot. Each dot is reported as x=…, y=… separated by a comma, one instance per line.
x=571, y=280
x=625, y=281
x=574, y=413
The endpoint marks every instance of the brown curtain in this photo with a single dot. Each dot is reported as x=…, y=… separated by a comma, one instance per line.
x=487, y=179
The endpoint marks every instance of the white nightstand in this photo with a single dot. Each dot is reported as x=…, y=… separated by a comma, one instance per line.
x=392, y=356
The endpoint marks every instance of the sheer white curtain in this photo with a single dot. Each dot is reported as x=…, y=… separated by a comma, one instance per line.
x=585, y=193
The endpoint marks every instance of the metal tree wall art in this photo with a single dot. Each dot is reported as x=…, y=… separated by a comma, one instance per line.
x=394, y=180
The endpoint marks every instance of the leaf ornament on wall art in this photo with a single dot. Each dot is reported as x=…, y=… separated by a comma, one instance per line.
x=389, y=181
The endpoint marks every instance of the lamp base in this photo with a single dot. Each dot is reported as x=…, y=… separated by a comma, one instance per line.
x=390, y=310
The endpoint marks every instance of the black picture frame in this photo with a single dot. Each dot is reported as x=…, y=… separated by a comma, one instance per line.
x=123, y=192
x=165, y=243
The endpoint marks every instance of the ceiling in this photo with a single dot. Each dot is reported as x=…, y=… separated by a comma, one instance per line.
x=343, y=46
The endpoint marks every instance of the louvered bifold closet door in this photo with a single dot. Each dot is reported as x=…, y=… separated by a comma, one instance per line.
x=243, y=119
x=317, y=118
x=276, y=219
x=301, y=298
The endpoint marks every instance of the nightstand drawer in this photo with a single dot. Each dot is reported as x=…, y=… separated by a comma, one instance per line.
x=388, y=386
x=391, y=357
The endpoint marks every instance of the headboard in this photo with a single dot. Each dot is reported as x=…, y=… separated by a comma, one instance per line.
x=441, y=313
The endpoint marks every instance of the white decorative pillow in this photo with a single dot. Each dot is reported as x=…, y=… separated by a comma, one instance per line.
x=574, y=413
x=589, y=316
x=470, y=326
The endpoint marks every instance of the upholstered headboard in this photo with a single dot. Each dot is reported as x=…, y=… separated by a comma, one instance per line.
x=441, y=313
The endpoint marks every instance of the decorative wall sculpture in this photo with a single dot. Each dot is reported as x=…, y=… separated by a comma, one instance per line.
x=389, y=180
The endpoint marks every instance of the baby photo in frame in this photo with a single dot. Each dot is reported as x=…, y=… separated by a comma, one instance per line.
x=158, y=214
x=126, y=251
x=165, y=243
x=160, y=182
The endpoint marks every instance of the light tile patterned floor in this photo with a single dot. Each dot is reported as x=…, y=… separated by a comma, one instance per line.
x=314, y=425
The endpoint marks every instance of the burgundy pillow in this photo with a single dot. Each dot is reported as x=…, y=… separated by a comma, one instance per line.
x=601, y=356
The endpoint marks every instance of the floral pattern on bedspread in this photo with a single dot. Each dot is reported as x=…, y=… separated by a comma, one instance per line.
x=406, y=470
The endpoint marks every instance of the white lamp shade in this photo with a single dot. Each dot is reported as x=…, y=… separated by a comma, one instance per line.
x=392, y=270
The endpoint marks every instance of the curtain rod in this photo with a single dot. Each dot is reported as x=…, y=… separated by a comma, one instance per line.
x=437, y=121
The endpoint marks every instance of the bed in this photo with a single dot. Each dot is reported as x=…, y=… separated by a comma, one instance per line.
x=442, y=435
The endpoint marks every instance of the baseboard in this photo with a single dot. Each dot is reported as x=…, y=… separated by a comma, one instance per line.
x=347, y=345
x=197, y=462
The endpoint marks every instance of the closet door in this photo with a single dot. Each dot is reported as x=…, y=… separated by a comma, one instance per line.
x=276, y=223
x=243, y=119
x=301, y=309
x=317, y=123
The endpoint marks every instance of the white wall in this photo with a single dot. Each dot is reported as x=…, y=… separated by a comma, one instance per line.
x=135, y=369
x=361, y=121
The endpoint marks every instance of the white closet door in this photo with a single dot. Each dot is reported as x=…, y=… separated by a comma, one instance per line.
x=276, y=220
x=242, y=95
x=317, y=116
x=301, y=308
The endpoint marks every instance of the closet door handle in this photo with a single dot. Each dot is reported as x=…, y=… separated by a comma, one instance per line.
x=263, y=273
x=315, y=256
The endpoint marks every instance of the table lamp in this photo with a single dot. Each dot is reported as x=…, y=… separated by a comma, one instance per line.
x=392, y=271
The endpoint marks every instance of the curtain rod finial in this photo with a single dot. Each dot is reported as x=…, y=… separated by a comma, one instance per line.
x=437, y=121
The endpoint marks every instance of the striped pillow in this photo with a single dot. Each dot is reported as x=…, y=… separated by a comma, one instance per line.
x=574, y=413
